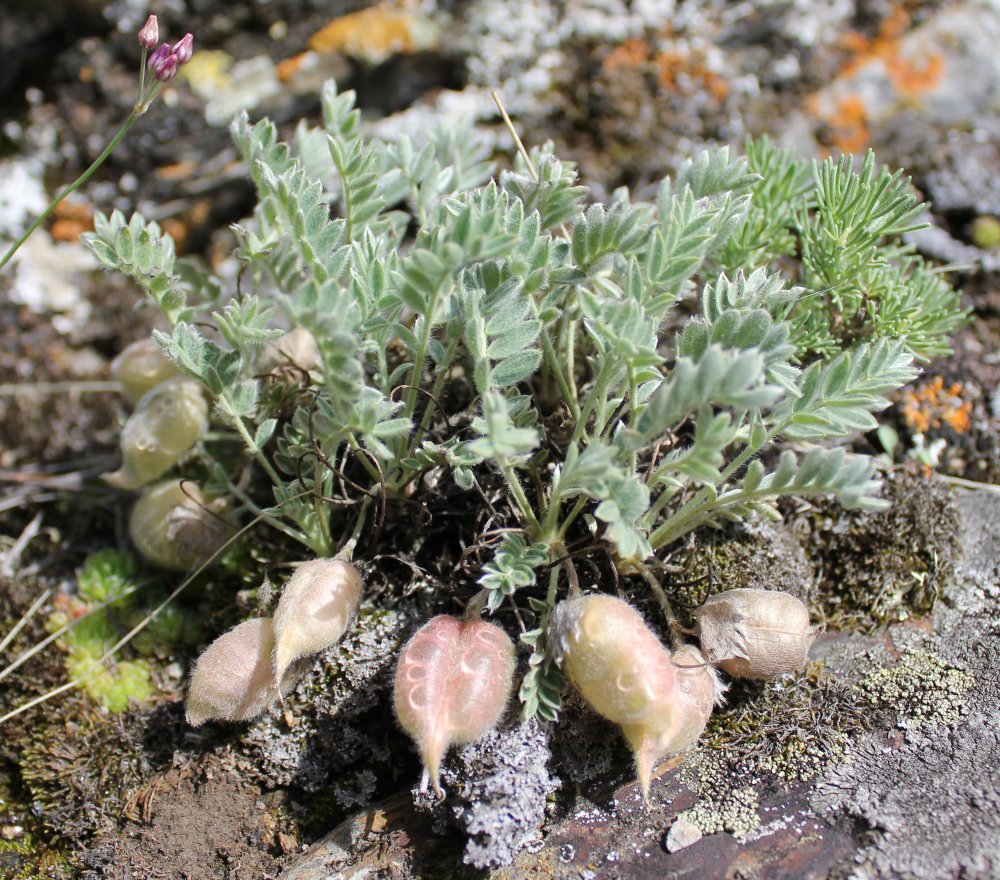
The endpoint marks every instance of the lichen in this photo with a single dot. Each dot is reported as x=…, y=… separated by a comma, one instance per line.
x=497, y=792
x=921, y=688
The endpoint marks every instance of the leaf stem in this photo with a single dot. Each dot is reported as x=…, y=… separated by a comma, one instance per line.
x=76, y=184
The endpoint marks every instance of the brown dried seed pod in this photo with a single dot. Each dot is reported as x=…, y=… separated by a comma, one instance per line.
x=317, y=604
x=623, y=671
x=699, y=690
x=140, y=367
x=232, y=680
x=453, y=681
x=755, y=633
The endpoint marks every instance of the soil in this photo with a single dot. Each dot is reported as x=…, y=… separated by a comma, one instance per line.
x=320, y=787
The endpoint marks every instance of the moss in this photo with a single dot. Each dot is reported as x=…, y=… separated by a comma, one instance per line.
x=874, y=569
x=756, y=555
x=921, y=688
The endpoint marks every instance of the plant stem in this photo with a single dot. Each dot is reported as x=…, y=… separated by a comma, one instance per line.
x=514, y=484
x=74, y=186
x=595, y=398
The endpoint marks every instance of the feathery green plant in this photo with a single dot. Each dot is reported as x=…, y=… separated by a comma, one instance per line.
x=507, y=333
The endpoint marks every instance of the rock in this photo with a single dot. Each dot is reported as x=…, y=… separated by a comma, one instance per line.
x=682, y=834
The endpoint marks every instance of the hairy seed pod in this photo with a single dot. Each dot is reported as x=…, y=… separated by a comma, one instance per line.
x=295, y=350
x=316, y=606
x=166, y=423
x=699, y=690
x=232, y=680
x=176, y=526
x=623, y=671
x=755, y=633
x=141, y=366
x=453, y=681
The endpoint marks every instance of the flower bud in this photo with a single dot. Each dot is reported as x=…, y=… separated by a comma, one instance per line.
x=453, y=681
x=699, y=690
x=157, y=57
x=623, y=671
x=166, y=69
x=166, y=423
x=755, y=633
x=140, y=367
x=176, y=527
x=296, y=349
x=316, y=606
x=184, y=49
x=149, y=33
x=232, y=679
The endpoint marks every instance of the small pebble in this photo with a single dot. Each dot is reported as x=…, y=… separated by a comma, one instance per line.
x=682, y=834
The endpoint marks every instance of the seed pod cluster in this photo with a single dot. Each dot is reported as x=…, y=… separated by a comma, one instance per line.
x=755, y=633
x=623, y=671
x=245, y=670
x=453, y=681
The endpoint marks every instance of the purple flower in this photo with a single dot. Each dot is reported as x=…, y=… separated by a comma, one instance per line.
x=163, y=64
x=184, y=49
x=149, y=33
x=157, y=57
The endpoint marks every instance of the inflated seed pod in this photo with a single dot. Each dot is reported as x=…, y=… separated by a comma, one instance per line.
x=178, y=527
x=755, y=633
x=232, y=680
x=296, y=349
x=453, y=682
x=317, y=604
x=166, y=423
x=699, y=690
x=140, y=367
x=623, y=671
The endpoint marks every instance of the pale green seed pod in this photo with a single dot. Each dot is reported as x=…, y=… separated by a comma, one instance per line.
x=295, y=350
x=699, y=690
x=317, y=604
x=178, y=527
x=166, y=423
x=140, y=367
x=755, y=633
x=623, y=671
x=452, y=684
x=232, y=680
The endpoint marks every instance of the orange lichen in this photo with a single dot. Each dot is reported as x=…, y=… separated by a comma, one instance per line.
x=849, y=125
x=371, y=35
x=674, y=70
x=932, y=405
x=910, y=77
x=627, y=56
x=72, y=219
x=288, y=68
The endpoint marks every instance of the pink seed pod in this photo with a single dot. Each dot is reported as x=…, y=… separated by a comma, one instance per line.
x=316, y=606
x=699, y=690
x=166, y=423
x=453, y=681
x=755, y=633
x=140, y=367
x=232, y=680
x=623, y=671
